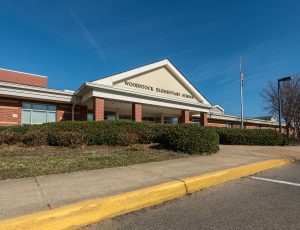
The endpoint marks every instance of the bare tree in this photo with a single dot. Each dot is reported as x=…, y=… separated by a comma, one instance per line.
x=290, y=102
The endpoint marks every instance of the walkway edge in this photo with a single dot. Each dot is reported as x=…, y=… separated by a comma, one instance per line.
x=91, y=211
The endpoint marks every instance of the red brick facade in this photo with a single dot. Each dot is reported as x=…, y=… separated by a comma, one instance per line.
x=64, y=113
x=136, y=112
x=216, y=123
x=98, y=104
x=237, y=124
x=203, y=119
x=23, y=78
x=10, y=112
x=185, y=116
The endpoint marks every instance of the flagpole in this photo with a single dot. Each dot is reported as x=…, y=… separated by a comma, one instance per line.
x=241, y=90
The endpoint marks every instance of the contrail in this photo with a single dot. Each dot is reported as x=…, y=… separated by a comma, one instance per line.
x=86, y=32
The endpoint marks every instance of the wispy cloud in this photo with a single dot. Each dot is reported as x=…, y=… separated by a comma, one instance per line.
x=85, y=31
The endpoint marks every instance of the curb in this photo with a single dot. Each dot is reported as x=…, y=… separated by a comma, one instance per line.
x=91, y=211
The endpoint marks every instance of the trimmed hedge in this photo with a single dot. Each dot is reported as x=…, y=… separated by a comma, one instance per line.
x=34, y=138
x=9, y=138
x=230, y=136
x=188, y=138
x=192, y=139
x=185, y=138
x=97, y=133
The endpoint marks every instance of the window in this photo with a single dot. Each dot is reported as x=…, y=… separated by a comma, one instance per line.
x=195, y=121
x=228, y=124
x=124, y=117
x=152, y=119
x=258, y=126
x=171, y=120
x=109, y=115
x=90, y=117
x=33, y=113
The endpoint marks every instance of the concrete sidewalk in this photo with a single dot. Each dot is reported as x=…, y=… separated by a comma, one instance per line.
x=29, y=195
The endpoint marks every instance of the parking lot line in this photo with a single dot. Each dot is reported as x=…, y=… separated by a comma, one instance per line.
x=275, y=181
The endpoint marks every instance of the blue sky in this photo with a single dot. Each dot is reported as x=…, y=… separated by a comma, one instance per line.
x=76, y=41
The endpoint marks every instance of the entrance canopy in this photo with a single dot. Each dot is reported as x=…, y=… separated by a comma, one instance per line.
x=158, y=84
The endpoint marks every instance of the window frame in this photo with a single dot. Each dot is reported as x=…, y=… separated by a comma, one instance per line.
x=31, y=110
x=229, y=124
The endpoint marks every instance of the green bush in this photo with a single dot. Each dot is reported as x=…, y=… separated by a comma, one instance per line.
x=68, y=133
x=9, y=137
x=185, y=138
x=127, y=138
x=102, y=132
x=251, y=137
x=20, y=129
x=192, y=139
x=71, y=139
x=34, y=138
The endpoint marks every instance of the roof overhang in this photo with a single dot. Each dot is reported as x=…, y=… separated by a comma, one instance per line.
x=91, y=89
x=238, y=119
x=38, y=93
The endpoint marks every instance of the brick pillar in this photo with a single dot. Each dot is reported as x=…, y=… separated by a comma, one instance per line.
x=203, y=119
x=136, y=112
x=185, y=116
x=59, y=113
x=98, y=108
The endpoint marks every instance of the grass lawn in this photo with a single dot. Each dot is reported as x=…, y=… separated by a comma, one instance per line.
x=18, y=161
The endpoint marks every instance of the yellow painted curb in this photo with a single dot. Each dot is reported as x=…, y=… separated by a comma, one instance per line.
x=91, y=211
x=87, y=212
x=197, y=183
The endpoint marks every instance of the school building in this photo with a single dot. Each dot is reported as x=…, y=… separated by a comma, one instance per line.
x=157, y=92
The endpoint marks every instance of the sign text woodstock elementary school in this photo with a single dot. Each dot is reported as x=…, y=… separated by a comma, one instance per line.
x=159, y=90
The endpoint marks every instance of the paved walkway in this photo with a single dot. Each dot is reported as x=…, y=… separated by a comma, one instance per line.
x=28, y=195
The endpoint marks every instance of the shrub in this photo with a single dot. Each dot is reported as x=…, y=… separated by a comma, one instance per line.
x=34, y=138
x=102, y=132
x=71, y=139
x=21, y=129
x=9, y=137
x=250, y=137
x=127, y=138
x=192, y=139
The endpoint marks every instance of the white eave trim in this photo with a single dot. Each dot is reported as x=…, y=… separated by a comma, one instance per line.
x=118, y=91
x=34, y=92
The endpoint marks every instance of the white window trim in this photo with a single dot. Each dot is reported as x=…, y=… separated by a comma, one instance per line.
x=38, y=110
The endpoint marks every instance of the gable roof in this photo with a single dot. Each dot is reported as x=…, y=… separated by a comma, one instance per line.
x=140, y=70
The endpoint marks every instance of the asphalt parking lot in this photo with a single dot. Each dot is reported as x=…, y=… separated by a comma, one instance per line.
x=267, y=200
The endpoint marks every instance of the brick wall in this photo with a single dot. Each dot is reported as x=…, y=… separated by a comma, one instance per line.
x=249, y=126
x=10, y=112
x=235, y=124
x=204, y=119
x=23, y=78
x=64, y=113
x=216, y=123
